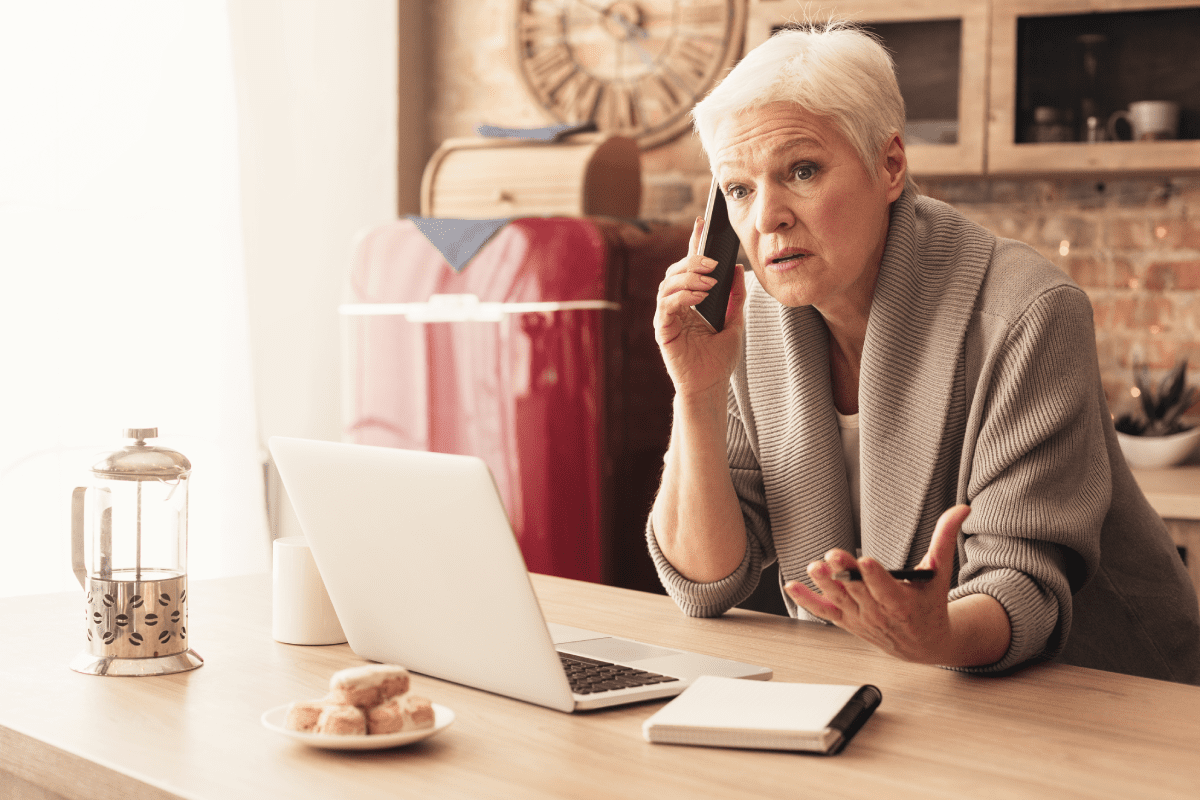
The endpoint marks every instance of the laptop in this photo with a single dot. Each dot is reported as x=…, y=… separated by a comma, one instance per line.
x=424, y=571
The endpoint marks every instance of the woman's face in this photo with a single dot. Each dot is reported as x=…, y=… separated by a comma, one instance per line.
x=812, y=220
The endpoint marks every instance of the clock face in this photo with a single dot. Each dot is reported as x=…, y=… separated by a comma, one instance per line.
x=634, y=67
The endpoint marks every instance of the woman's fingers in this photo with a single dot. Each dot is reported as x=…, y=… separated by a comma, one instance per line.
x=885, y=591
x=945, y=540
x=832, y=591
x=909, y=620
x=685, y=284
x=693, y=264
x=697, y=232
x=687, y=280
x=681, y=291
x=696, y=359
x=832, y=601
x=812, y=602
x=737, y=297
x=687, y=276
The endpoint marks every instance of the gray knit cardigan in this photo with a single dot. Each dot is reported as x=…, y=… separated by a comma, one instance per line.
x=979, y=384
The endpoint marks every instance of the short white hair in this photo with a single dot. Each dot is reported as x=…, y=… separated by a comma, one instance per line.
x=832, y=69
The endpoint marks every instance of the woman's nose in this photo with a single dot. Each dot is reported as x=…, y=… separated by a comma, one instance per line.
x=773, y=213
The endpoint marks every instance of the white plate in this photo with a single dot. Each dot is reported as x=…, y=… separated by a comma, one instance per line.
x=274, y=719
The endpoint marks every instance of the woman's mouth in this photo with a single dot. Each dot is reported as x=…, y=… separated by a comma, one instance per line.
x=787, y=257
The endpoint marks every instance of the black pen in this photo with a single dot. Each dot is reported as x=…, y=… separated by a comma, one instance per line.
x=915, y=575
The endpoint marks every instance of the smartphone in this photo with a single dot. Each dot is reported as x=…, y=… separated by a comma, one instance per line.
x=720, y=243
x=914, y=575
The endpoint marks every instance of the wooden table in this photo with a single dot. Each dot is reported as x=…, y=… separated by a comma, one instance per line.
x=1175, y=494
x=1048, y=731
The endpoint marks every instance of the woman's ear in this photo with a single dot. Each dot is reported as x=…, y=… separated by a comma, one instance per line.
x=894, y=167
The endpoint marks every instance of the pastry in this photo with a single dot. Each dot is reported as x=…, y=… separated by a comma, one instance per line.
x=302, y=715
x=373, y=698
x=407, y=712
x=368, y=685
x=339, y=720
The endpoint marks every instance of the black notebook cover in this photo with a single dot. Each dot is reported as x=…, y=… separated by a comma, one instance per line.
x=855, y=714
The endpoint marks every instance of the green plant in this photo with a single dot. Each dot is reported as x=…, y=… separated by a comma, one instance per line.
x=1162, y=409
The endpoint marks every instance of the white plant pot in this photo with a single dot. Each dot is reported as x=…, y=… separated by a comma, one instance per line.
x=1156, y=452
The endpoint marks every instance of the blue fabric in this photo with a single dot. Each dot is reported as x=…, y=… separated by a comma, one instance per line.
x=458, y=239
x=551, y=133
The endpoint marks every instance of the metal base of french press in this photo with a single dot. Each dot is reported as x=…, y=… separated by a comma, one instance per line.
x=136, y=625
x=90, y=664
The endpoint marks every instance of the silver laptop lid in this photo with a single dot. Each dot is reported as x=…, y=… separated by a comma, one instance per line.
x=421, y=565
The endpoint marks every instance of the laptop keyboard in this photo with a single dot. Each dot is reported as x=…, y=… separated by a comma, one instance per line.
x=588, y=675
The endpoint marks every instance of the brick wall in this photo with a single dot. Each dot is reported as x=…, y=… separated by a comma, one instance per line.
x=1132, y=243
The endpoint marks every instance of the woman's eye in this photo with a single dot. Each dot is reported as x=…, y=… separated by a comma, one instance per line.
x=804, y=172
x=735, y=192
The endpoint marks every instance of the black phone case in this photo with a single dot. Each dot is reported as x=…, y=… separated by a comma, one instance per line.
x=720, y=243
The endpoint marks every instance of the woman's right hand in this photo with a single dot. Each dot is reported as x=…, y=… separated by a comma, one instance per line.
x=697, y=359
x=696, y=516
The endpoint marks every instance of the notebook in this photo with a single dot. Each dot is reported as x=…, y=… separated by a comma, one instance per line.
x=718, y=712
x=424, y=571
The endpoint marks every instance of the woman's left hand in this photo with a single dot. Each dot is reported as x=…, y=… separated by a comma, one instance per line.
x=911, y=621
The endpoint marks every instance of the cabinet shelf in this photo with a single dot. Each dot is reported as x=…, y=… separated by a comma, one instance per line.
x=942, y=90
x=988, y=104
x=1101, y=157
x=1012, y=94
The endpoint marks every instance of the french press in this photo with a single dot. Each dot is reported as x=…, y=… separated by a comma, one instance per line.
x=132, y=561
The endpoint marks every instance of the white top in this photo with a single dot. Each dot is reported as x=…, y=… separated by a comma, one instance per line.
x=848, y=428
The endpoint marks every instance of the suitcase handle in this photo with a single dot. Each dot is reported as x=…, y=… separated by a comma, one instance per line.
x=468, y=308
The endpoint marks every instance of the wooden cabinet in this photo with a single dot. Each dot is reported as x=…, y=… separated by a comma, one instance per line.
x=1186, y=535
x=940, y=50
x=1130, y=36
x=588, y=174
x=998, y=83
x=1175, y=494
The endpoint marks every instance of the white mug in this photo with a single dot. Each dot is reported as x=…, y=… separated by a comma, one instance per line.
x=1149, y=120
x=301, y=612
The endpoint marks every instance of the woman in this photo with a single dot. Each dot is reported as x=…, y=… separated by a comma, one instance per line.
x=885, y=342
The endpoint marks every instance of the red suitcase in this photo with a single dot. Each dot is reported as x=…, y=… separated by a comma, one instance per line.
x=538, y=357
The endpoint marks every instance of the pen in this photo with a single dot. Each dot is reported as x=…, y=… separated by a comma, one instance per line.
x=916, y=575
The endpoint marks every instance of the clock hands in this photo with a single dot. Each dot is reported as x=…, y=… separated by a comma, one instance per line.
x=623, y=21
x=620, y=13
x=617, y=13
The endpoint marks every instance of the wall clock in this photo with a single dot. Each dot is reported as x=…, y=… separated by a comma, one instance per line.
x=634, y=67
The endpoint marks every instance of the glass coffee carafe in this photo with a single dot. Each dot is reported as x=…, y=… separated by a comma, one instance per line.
x=132, y=561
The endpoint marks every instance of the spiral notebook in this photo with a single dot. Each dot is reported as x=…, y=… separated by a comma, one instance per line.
x=725, y=712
